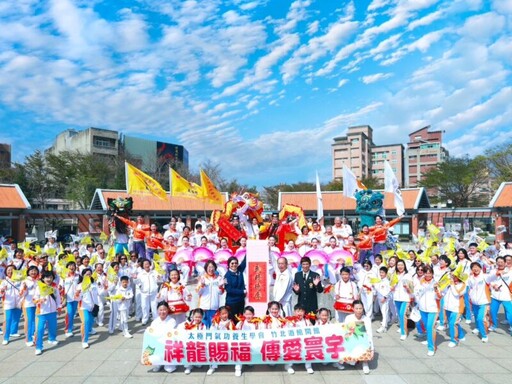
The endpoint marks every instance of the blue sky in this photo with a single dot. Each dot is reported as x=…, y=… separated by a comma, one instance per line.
x=259, y=86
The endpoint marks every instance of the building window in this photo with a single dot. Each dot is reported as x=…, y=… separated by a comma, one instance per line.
x=104, y=142
x=393, y=152
x=355, y=140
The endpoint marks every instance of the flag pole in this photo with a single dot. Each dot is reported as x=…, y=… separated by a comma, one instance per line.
x=170, y=190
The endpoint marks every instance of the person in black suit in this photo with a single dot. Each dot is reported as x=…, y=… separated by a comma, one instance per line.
x=306, y=285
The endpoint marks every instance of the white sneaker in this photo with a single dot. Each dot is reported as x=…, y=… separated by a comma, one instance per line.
x=441, y=328
x=463, y=339
x=424, y=342
x=485, y=339
x=93, y=332
x=451, y=344
x=85, y=345
x=492, y=329
x=291, y=371
x=403, y=337
x=187, y=371
x=100, y=324
x=53, y=342
x=398, y=330
x=170, y=369
x=475, y=331
x=468, y=321
x=341, y=367
x=156, y=368
x=381, y=330
x=238, y=372
x=38, y=352
x=69, y=334
x=366, y=368
x=29, y=343
x=128, y=335
x=431, y=353
x=310, y=371
x=210, y=371
x=5, y=342
x=15, y=335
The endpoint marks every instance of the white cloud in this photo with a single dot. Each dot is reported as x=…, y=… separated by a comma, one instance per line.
x=318, y=47
x=313, y=27
x=375, y=77
x=342, y=82
x=426, y=20
x=484, y=26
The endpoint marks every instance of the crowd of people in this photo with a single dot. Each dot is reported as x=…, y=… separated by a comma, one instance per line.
x=441, y=284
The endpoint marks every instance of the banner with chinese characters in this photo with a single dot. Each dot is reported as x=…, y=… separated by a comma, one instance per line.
x=258, y=293
x=316, y=344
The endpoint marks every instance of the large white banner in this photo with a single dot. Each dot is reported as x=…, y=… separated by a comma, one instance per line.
x=329, y=343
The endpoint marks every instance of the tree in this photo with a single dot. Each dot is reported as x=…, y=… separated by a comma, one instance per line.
x=499, y=162
x=458, y=180
x=371, y=182
x=35, y=179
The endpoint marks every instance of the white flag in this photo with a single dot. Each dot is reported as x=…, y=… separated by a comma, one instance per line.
x=350, y=186
x=391, y=185
x=319, y=202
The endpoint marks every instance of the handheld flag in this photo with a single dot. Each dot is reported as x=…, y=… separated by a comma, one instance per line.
x=44, y=289
x=103, y=237
x=86, y=283
x=111, y=275
x=139, y=182
x=184, y=188
x=111, y=254
x=159, y=269
x=392, y=185
x=3, y=254
x=210, y=193
x=19, y=275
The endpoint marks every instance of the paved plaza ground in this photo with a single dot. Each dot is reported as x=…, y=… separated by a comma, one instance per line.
x=114, y=359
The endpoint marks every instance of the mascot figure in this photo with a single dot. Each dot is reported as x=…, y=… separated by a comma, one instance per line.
x=368, y=205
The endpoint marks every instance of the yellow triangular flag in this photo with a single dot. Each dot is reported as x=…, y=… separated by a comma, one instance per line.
x=444, y=281
x=393, y=280
x=349, y=262
x=61, y=248
x=114, y=297
x=482, y=246
x=184, y=188
x=103, y=237
x=38, y=249
x=3, y=254
x=138, y=182
x=111, y=275
x=210, y=193
x=374, y=280
x=94, y=259
x=159, y=269
x=64, y=272
x=44, y=290
x=111, y=253
x=86, y=283
x=51, y=252
x=18, y=275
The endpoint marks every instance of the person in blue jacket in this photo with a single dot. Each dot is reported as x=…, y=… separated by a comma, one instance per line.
x=235, y=286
